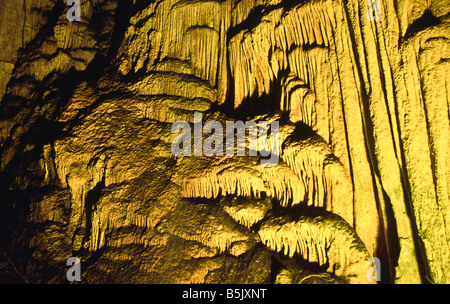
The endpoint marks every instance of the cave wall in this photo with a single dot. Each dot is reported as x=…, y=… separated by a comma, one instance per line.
x=87, y=107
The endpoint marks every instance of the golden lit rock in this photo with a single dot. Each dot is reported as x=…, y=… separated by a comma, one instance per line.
x=359, y=94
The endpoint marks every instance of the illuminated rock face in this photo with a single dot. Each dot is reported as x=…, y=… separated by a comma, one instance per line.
x=364, y=170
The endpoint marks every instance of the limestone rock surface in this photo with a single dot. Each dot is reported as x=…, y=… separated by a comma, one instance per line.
x=360, y=90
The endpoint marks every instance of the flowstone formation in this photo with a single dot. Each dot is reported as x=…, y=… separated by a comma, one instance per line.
x=359, y=88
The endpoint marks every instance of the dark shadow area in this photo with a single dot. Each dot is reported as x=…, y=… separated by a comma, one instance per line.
x=427, y=20
x=275, y=267
x=92, y=197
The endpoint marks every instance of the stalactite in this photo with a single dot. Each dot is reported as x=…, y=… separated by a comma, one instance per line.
x=322, y=240
x=326, y=183
x=249, y=51
x=286, y=187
